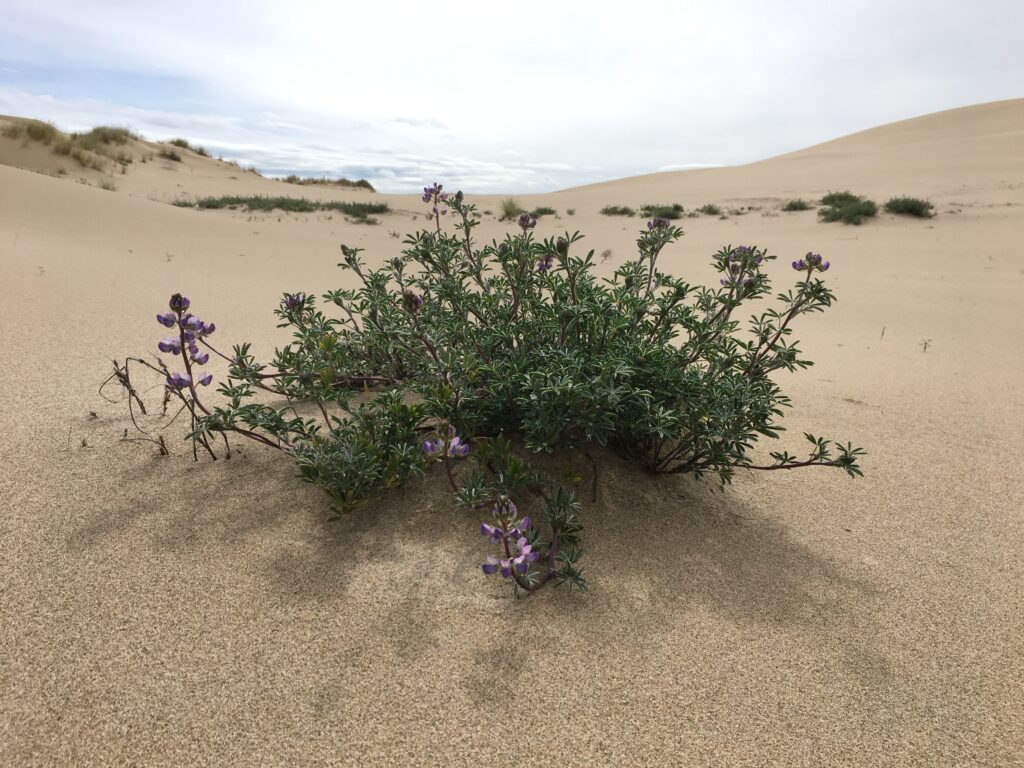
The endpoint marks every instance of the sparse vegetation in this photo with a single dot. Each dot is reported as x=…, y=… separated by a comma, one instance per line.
x=710, y=209
x=184, y=144
x=359, y=212
x=910, y=206
x=108, y=184
x=847, y=208
x=170, y=154
x=325, y=181
x=543, y=211
x=103, y=136
x=571, y=211
x=797, y=205
x=673, y=211
x=618, y=210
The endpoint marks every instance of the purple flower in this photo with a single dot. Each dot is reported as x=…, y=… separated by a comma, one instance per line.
x=293, y=301
x=505, y=507
x=205, y=380
x=457, y=448
x=546, y=263
x=179, y=303
x=526, y=555
x=824, y=267
x=526, y=221
x=200, y=357
x=657, y=223
x=492, y=532
x=178, y=381
x=433, y=192
x=167, y=319
x=209, y=328
x=170, y=345
x=492, y=564
x=433, y=447
x=800, y=265
x=412, y=302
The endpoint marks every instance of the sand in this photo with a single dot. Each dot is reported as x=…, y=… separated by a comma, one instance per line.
x=158, y=611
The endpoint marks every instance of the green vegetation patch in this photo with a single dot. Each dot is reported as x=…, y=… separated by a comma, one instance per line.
x=847, y=208
x=358, y=211
x=618, y=210
x=910, y=206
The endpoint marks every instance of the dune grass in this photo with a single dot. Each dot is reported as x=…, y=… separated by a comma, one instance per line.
x=325, y=181
x=710, y=209
x=618, y=210
x=510, y=208
x=847, y=208
x=910, y=206
x=543, y=211
x=360, y=212
x=184, y=144
x=673, y=211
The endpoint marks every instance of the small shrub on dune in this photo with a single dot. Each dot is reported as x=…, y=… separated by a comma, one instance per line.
x=475, y=360
x=340, y=182
x=797, y=205
x=170, y=154
x=673, y=211
x=510, y=209
x=103, y=135
x=710, y=209
x=847, y=208
x=618, y=210
x=910, y=206
x=543, y=211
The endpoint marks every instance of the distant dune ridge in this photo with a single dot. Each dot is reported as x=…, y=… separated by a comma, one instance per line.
x=159, y=611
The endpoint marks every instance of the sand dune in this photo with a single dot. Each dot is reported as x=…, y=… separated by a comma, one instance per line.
x=165, y=612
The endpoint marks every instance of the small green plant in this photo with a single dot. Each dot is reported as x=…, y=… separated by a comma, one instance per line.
x=673, y=211
x=499, y=354
x=847, y=208
x=710, y=209
x=510, y=209
x=797, y=205
x=170, y=154
x=910, y=206
x=618, y=210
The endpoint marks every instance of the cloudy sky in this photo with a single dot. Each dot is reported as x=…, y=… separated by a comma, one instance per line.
x=509, y=97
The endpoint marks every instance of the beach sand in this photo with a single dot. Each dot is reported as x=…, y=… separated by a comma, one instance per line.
x=161, y=611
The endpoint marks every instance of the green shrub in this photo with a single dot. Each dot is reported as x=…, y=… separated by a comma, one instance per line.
x=102, y=136
x=323, y=180
x=570, y=211
x=170, y=154
x=710, y=209
x=456, y=352
x=674, y=211
x=543, y=211
x=797, y=205
x=911, y=206
x=847, y=208
x=618, y=210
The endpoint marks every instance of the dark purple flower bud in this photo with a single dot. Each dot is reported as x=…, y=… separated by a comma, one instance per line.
x=525, y=523
x=205, y=380
x=526, y=221
x=748, y=283
x=546, y=263
x=758, y=259
x=170, y=345
x=723, y=281
x=824, y=267
x=179, y=303
x=178, y=381
x=167, y=319
x=735, y=268
x=432, y=447
x=657, y=223
x=411, y=302
x=505, y=507
x=506, y=568
x=293, y=301
x=490, y=565
x=200, y=357
x=800, y=265
x=209, y=328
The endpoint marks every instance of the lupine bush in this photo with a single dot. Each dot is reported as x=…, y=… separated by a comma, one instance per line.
x=911, y=206
x=479, y=357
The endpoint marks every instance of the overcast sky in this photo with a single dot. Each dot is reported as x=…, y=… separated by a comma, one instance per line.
x=503, y=97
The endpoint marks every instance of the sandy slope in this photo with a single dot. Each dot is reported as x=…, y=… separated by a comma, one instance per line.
x=164, y=612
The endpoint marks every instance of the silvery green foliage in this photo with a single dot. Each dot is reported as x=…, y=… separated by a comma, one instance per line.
x=457, y=351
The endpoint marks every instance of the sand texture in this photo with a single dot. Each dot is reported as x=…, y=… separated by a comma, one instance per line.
x=159, y=611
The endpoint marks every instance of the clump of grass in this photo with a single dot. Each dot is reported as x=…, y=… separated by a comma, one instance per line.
x=911, y=206
x=847, y=208
x=571, y=211
x=543, y=211
x=359, y=212
x=673, y=211
x=36, y=130
x=510, y=208
x=340, y=182
x=103, y=136
x=710, y=209
x=170, y=154
x=797, y=205
x=184, y=144
x=109, y=185
x=618, y=210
